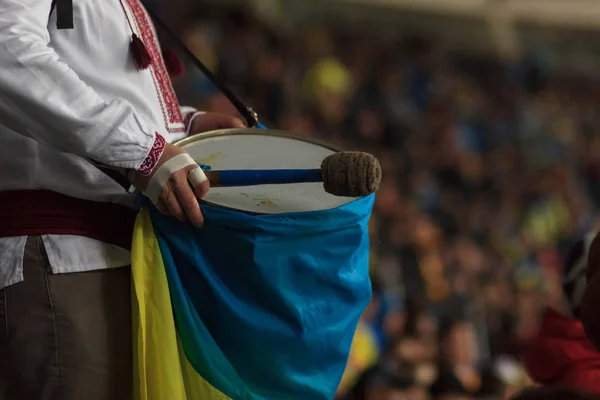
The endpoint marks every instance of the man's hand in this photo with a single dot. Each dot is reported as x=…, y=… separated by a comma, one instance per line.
x=213, y=121
x=175, y=185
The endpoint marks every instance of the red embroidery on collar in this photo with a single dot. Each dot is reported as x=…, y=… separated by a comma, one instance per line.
x=153, y=156
x=166, y=94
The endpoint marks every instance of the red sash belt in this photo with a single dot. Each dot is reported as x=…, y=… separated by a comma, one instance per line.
x=42, y=212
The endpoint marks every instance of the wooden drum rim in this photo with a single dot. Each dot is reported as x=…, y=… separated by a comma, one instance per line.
x=258, y=132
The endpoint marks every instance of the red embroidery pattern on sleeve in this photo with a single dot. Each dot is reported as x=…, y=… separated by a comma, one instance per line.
x=153, y=156
x=168, y=99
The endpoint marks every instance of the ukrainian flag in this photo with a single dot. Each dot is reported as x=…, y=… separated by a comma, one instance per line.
x=250, y=306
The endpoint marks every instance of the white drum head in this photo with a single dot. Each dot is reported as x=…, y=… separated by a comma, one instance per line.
x=257, y=149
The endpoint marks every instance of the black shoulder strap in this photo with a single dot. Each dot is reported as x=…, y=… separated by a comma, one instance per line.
x=64, y=13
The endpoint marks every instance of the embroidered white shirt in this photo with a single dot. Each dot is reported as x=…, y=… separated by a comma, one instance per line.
x=74, y=94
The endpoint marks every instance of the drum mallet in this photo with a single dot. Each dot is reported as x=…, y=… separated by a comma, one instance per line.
x=348, y=174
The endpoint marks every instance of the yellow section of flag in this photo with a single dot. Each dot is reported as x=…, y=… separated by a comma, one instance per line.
x=161, y=370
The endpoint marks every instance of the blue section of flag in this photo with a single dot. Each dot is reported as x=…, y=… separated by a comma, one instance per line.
x=267, y=305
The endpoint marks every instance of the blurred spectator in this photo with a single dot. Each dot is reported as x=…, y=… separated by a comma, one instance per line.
x=460, y=374
x=380, y=383
x=554, y=394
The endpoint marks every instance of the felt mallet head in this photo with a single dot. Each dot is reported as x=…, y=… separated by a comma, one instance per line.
x=351, y=174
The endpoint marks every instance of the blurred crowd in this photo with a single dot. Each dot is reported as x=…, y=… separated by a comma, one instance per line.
x=489, y=174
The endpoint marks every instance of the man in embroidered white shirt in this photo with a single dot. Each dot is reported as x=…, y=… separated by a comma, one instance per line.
x=97, y=92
